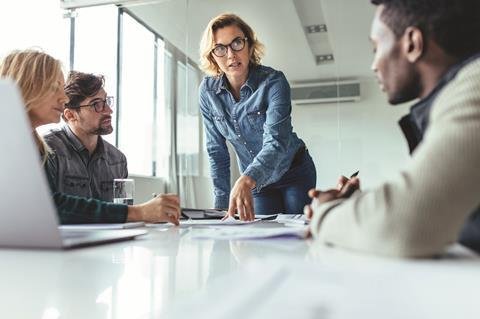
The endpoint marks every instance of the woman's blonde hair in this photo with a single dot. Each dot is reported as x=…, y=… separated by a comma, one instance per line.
x=36, y=74
x=207, y=62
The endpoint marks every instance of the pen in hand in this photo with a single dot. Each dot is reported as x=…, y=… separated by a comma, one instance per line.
x=343, y=180
x=347, y=189
x=168, y=213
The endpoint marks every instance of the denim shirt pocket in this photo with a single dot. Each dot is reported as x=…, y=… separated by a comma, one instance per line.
x=257, y=119
x=106, y=187
x=221, y=124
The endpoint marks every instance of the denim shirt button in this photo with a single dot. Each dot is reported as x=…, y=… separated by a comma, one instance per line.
x=258, y=113
x=238, y=135
x=234, y=121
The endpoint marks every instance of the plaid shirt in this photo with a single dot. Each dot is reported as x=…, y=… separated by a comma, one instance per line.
x=72, y=170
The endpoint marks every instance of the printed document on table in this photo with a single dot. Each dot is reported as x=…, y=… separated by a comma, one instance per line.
x=299, y=219
x=230, y=221
x=250, y=233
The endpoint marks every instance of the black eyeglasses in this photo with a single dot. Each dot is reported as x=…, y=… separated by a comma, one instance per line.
x=237, y=44
x=99, y=105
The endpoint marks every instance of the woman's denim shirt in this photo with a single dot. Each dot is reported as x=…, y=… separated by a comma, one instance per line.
x=258, y=126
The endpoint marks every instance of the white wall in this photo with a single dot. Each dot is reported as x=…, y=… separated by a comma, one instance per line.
x=346, y=137
x=203, y=184
x=145, y=186
x=34, y=24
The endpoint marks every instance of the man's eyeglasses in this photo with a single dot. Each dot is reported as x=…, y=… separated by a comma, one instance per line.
x=237, y=44
x=99, y=105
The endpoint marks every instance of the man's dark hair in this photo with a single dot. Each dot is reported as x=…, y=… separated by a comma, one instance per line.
x=453, y=24
x=80, y=86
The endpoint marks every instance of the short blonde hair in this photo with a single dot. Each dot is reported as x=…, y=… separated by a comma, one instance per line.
x=207, y=62
x=36, y=74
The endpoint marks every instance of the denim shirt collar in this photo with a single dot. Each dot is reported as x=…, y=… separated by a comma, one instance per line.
x=79, y=147
x=221, y=83
x=415, y=123
x=251, y=83
x=253, y=78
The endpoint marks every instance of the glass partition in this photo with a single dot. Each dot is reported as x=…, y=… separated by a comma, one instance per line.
x=137, y=93
x=95, y=48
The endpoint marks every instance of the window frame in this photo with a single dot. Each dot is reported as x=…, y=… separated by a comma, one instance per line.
x=177, y=56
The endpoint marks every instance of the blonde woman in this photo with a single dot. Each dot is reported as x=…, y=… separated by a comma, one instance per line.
x=41, y=82
x=249, y=105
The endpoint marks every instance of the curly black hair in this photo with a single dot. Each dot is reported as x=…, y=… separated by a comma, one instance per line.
x=80, y=86
x=453, y=24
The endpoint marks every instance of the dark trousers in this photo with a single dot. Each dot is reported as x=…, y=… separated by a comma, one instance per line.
x=289, y=195
x=470, y=235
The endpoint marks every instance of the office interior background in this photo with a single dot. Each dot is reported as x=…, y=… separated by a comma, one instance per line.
x=148, y=52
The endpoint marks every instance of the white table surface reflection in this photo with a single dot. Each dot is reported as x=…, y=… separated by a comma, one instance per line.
x=145, y=277
x=132, y=279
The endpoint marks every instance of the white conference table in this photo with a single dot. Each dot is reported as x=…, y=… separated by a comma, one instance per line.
x=169, y=274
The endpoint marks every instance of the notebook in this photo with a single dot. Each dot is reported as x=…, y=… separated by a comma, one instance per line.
x=28, y=217
x=196, y=213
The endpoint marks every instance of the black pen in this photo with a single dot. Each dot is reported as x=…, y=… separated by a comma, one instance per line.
x=354, y=174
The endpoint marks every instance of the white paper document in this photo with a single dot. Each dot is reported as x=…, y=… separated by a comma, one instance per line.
x=230, y=221
x=101, y=226
x=250, y=233
x=292, y=219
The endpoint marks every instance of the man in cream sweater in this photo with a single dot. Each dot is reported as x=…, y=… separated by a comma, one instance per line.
x=429, y=50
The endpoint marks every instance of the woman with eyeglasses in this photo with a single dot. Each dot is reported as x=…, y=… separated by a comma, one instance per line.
x=248, y=105
x=41, y=82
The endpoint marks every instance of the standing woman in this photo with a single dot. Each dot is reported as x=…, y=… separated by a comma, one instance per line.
x=41, y=82
x=249, y=105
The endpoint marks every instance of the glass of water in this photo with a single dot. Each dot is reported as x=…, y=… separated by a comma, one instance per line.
x=123, y=190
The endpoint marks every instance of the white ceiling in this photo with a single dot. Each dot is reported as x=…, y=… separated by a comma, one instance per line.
x=278, y=26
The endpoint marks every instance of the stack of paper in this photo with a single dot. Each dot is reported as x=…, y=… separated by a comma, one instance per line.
x=292, y=219
x=230, y=221
x=250, y=233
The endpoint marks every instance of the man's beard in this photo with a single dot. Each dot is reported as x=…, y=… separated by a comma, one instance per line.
x=409, y=91
x=103, y=129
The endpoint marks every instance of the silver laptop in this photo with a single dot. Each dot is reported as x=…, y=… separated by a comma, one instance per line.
x=28, y=217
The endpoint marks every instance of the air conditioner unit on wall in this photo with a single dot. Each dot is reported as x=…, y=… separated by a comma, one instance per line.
x=325, y=92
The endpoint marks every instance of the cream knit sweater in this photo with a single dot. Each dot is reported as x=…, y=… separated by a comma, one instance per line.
x=421, y=209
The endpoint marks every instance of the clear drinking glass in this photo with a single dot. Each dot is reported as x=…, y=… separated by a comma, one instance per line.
x=123, y=191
